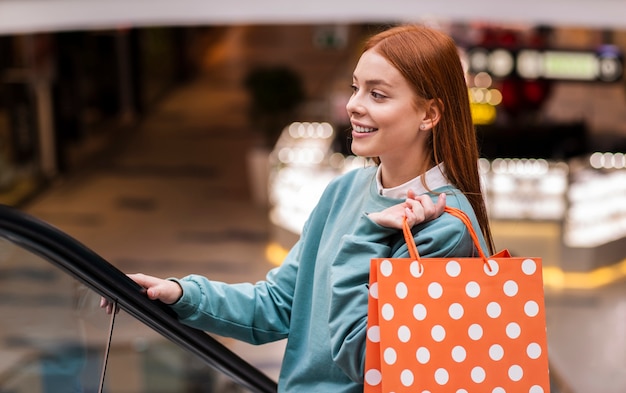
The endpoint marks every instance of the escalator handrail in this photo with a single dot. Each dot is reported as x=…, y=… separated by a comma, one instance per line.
x=95, y=272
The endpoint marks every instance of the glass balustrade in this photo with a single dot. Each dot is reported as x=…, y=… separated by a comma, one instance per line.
x=55, y=338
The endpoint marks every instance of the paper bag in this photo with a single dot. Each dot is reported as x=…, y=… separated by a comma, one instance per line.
x=460, y=325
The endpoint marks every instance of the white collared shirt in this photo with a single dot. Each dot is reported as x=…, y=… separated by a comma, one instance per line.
x=434, y=178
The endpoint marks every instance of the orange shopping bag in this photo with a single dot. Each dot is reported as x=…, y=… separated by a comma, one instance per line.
x=460, y=325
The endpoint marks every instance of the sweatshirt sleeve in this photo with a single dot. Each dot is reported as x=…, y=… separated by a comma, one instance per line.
x=256, y=313
x=445, y=237
x=349, y=276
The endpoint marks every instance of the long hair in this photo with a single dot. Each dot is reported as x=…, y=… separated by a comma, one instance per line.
x=429, y=60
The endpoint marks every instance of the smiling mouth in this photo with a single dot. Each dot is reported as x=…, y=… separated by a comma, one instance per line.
x=363, y=130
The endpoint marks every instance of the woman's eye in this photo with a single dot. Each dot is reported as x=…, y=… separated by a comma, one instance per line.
x=377, y=96
x=354, y=88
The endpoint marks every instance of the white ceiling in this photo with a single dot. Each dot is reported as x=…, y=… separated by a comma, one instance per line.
x=17, y=16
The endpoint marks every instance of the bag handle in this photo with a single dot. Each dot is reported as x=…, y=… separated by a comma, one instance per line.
x=458, y=213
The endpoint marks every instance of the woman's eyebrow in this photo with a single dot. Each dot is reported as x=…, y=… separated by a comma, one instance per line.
x=374, y=82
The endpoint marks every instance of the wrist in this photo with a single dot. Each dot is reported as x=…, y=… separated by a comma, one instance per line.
x=177, y=291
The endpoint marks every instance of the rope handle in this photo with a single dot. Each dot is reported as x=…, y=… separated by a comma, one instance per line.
x=458, y=213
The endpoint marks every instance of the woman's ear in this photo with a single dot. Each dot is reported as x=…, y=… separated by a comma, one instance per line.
x=434, y=109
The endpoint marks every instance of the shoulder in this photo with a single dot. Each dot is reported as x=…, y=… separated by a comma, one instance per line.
x=341, y=192
x=455, y=198
x=353, y=179
x=447, y=236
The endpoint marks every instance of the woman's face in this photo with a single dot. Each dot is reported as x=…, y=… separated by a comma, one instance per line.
x=383, y=113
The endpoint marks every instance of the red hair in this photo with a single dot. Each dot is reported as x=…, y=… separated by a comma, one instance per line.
x=429, y=60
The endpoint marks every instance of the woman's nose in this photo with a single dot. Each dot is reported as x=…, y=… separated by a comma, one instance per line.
x=353, y=106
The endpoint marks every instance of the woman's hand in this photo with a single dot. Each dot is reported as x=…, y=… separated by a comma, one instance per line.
x=416, y=208
x=167, y=291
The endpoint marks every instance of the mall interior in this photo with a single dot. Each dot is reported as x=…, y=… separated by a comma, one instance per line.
x=179, y=149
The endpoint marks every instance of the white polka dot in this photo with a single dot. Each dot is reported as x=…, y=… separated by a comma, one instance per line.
x=442, y=376
x=529, y=267
x=453, y=268
x=406, y=377
x=496, y=352
x=494, y=310
x=374, y=290
x=475, y=331
x=459, y=354
x=373, y=334
x=404, y=334
x=435, y=290
x=498, y=390
x=478, y=374
x=438, y=333
x=386, y=268
x=401, y=290
x=513, y=330
x=416, y=269
x=495, y=268
x=387, y=312
x=390, y=356
x=515, y=373
x=419, y=312
x=462, y=391
x=373, y=377
x=531, y=308
x=456, y=311
x=472, y=289
x=422, y=355
x=533, y=350
x=536, y=389
x=510, y=288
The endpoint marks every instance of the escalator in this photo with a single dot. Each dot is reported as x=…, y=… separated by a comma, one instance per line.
x=56, y=339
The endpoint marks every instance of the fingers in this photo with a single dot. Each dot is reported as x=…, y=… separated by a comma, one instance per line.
x=422, y=208
x=155, y=288
x=440, y=206
x=108, y=306
x=416, y=209
x=144, y=280
x=149, y=283
x=166, y=291
x=411, y=217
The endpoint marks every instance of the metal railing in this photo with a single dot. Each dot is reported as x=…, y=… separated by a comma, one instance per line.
x=96, y=273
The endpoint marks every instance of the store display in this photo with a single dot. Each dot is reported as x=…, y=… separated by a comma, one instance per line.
x=588, y=196
x=597, y=202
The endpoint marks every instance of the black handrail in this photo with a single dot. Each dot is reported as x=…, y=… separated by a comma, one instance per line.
x=79, y=261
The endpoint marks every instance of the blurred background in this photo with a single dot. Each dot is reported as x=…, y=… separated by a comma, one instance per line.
x=192, y=137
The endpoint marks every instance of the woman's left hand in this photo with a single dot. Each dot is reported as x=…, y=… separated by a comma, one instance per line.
x=416, y=208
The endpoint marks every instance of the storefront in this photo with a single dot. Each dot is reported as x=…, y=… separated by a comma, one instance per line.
x=67, y=96
x=26, y=147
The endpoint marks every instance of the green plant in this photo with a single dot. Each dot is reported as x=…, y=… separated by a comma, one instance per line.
x=275, y=92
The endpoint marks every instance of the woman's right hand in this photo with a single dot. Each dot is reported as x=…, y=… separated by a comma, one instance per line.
x=167, y=291
x=416, y=209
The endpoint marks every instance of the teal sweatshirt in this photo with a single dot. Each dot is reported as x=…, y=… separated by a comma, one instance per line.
x=317, y=298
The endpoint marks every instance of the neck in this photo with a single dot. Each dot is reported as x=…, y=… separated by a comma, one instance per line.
x=396, y=175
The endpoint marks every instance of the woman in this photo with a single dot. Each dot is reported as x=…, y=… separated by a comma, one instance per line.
x=409, y=110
